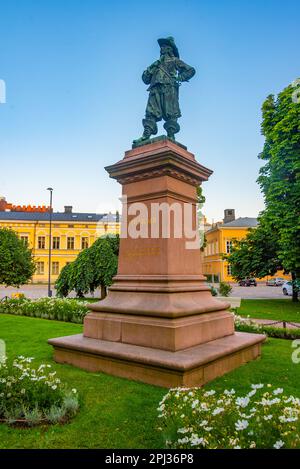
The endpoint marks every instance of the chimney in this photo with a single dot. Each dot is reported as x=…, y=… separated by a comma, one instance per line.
x=68, y=208
x=3, y=204
x=229, y=215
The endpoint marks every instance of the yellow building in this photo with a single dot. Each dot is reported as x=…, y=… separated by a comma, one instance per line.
x=71, y=232
x=219, y=240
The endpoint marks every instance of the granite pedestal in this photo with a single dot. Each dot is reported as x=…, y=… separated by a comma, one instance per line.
x=159, y=322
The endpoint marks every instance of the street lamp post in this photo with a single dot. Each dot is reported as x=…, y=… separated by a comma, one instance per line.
x=50, y=242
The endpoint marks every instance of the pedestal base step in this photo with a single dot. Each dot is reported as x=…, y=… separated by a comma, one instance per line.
x=190, y=367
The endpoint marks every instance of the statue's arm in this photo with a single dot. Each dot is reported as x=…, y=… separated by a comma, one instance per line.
x=185, y=71
x=147, y=74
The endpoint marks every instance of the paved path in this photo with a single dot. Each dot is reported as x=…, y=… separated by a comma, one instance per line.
x=36, y=291
x=261, y=291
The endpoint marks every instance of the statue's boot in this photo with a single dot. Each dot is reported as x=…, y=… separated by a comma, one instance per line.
x=172, y=127
x=146, y=135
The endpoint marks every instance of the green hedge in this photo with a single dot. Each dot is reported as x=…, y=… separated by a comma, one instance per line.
x=270, y=331
x=72, y=310
x=248, y=325
x=68, y=310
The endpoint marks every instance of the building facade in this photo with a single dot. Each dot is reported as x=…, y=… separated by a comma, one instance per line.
x=71, y=233
x=219, y=241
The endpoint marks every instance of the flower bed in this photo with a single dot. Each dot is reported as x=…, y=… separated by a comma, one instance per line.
x=246, y=324
x=264, y=418
x=30, y=396
x=69, y=310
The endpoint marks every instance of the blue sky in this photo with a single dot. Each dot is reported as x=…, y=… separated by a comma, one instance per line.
x=75, y=99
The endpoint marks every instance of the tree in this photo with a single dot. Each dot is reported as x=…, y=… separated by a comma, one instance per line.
x=94, y=267
x=255, y=255
x=63, y=282
x=279, y=180
x=16, y=261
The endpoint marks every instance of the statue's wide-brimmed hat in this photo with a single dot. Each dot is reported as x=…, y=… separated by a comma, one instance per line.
x=169, y=41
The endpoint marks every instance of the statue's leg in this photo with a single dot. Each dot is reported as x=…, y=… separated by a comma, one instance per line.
x=171, y=111
x=172, y=127
x=150, y=126
x=153, y=114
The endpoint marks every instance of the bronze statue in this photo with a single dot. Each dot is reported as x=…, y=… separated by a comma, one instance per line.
x=164, y=77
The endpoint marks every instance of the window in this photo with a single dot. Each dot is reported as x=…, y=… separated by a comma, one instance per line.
x=40, y=268
x=84, y=243
x=24, y=239
x=228, y=267
x=55, y=268
x=56, y=242
x=228, y=247
x=41, y=242
x=70, y=242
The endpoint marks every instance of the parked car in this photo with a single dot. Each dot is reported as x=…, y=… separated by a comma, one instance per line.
x=275, y=282
x=287, y=288
x=247, y=282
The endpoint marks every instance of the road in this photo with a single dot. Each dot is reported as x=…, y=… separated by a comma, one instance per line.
x=261, y=291
x=36, y=291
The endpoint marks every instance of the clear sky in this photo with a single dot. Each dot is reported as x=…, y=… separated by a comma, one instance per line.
x=75, y=99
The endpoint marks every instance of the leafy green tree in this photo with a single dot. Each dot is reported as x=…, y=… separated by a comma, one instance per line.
x=275, y=243
x=94, y=267
x=279, y=179
x=255, y=255
x=63, y=283
x=16, y=261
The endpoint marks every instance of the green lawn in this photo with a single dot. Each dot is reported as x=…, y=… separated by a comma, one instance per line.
x=284, y=310
x=118, y=413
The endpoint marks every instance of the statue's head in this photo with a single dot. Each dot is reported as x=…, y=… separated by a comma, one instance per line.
x=166, y=50
x=168, y=47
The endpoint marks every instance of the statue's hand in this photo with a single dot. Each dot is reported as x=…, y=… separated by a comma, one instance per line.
x=181, y=78
x=146, y=77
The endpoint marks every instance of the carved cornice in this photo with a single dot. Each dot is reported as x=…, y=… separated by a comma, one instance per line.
x=157, y=173
x=159, y=163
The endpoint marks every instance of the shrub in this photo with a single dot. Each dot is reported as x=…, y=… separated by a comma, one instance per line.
x=264, y=418
x=225, y=289
x=34, y=395
x=69, y=310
